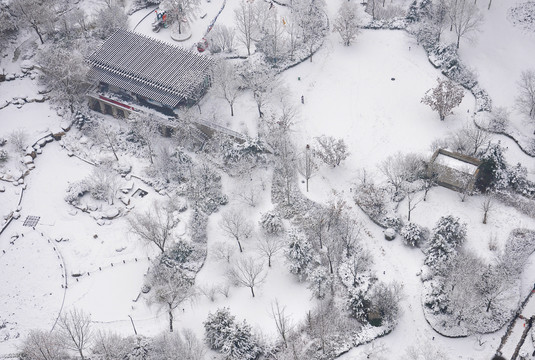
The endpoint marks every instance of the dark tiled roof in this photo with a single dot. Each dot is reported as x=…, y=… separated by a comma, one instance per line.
x=148, y=67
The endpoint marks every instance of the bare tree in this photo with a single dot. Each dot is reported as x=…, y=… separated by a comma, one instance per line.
x=18, y=140
x=107, y=134
x=226, y=84
x=65, y=74
x=38, y=15
x=170, y=286
x=268, y=246
x=470, y=140
x=444, y=97
x=425, y=350
x=75, y=328
x=525, y=100
x=465, y=17
x=347, y=22
x=180, y=11
x=186, y=345
x=330, y=150
x=306, y=164
x=261, y=81
x=145, y=129
x=42, y=345
x=104, y=183
x=311, y=19
x=223, y=251
x=282, y=321
x=487, y=205
x=235, y=225
x=244, y=16
x=155, y=225
x=247, y=272
x=273, y=42
x=110, y=19
x=221, y=39
x=110, y=346
x=400, y=169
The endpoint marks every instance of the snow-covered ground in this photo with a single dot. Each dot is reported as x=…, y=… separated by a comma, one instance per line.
x=368, y=94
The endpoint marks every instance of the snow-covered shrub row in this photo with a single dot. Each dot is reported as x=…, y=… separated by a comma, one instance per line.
x=233, y=339
x=251, y=150
x=399, y=23
x=76, y=190
x=373, y=201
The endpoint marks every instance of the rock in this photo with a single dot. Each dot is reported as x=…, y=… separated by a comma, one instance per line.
x=96, y=216
x=390, y=234
x=30, y=151
x=42, y=142
x=111, y=213
x=76, y=273
x=128, y=177
x=92, y=207
x=101, y=222
x=20, y=181
x=4, y=103
x=10, y=77
x=28, y=159
x=145, y=289
x=2, y=189
x=125, y=200
x=26, y=66
x=49, y=139
x=70, y=154
x=72, y=212
x=65, y=125
x=16, y=215
x=83, y=140
x=57, y=135
x=126, y=188
x=120, y=249
x=39, y=151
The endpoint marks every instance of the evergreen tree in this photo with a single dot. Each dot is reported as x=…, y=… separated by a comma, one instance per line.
x=299, y=253
x=448, y=235
x=241, y=343
x=319, y=282
x=217, y=328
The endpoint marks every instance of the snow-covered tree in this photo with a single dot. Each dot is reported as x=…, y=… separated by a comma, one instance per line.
x=226, y=83
x=245, y=19
x=384, y=302
x=221, y=39
x=330, y=150
x=447, y=236
x=155, y=225
x=235, y=340
x=170, y=286
x=217, y=328
x=525, y=100
x=42, y=345
x=444, y=97
x=261, y=80
x=185, y=344
x=247, y=272
x=299, y=253
x=65, y=74
x=75, y=329
x=493, y=174
x=487, y=206
x=347, y=22
x=110, y=19
x=273, y=41
x=319, y=282
x=271, y=223
x=465, y=18
x=357, y=304
x=400, y=169
x=236, y=226
x=145, y=129
x=282, y=321
x=180, y=11
x=306, y=165
x=109, y=345
x=40, y=16
x=311, y=19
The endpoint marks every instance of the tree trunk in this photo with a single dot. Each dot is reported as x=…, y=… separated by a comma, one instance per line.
x=239, y=244
x=458, y=40
x=307, y=184
x=488, y=305
x=231, y=109
x=170, y=319
x=485, y=219
x=269, y=261
x=252, y=291
x=490, y=3
x=38, y=34
x=409, y=216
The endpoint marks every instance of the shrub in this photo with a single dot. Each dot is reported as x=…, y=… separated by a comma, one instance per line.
x=3, y=155
x=271, y=223
x=414, y=235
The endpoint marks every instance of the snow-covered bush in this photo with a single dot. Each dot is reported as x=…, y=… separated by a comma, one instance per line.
x=493, y=173
x=371, y=199
x=499, y=119
x=234, y=340
x=414, y=235
x=384, y=307
x=357, y=304
x=18, y=140
x=393, y=222
x=3, y=141
x=197, y=226
x=271, y=223
x=77, y=190
x=203, y=189
x=3, y=155
x=252, y=150
x=330, y=150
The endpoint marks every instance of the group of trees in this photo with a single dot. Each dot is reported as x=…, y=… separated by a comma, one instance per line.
x=258, y=24
x=463, y=17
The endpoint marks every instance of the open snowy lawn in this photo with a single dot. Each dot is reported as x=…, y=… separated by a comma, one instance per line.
x=32, y=292
x=499, y=54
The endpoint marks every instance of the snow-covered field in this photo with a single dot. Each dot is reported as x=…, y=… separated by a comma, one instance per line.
x=368, y=94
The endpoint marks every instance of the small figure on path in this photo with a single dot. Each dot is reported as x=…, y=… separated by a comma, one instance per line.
x=302, y=99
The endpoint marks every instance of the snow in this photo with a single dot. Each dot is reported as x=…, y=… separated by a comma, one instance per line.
x=455, y=164
x=348, y=93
